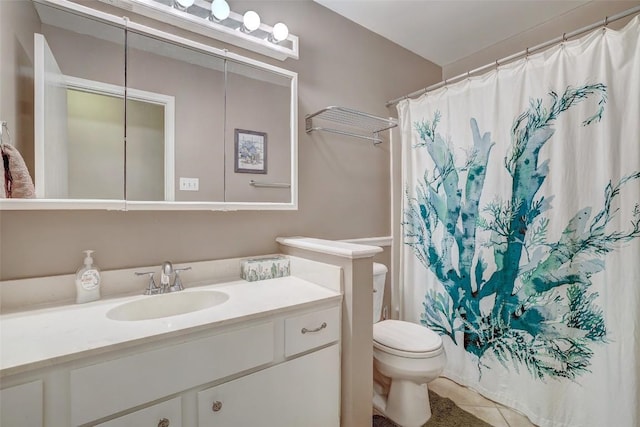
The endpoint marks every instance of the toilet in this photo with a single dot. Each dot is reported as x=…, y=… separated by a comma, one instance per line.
x=406, y=356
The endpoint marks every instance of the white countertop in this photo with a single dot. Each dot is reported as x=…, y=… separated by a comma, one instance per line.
x=38, y=338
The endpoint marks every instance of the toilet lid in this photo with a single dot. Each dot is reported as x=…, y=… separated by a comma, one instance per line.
x=406, y=336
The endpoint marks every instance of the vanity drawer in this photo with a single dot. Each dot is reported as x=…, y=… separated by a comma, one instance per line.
x=311, y=330
x=165, y=414
x=115, y=385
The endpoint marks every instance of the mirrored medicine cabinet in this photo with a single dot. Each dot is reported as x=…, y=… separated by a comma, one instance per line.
x=130, y=117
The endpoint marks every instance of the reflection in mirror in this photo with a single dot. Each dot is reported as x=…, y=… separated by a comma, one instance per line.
x=147, y=148
x=96, y=111
x=94, y=122
x=258, y=135
x=195, y=81
x=79, y=134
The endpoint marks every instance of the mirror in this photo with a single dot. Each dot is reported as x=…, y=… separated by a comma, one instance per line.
x=196, y=81
x=258, y=135
x=187, y=126
x=79, y=107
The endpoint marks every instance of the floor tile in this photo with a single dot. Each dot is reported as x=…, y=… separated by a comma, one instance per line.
x=490, y=412
x=459, y=394
x=515, y=419
x=489, y=415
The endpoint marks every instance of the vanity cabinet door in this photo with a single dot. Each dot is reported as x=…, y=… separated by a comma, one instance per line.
x=165, y=414
x=302, y=392
x=21, y=406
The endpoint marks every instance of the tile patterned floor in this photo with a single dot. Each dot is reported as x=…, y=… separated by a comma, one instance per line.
x=483, y=408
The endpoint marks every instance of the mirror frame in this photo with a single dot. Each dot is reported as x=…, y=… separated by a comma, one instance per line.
x=132, y=205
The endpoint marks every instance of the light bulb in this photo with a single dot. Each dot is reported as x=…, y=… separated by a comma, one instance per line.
x=280, y=33
x=251, y=21
x=183, y=4
x=219, y=10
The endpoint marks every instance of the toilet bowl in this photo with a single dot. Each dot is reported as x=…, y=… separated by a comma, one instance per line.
x=406, y=356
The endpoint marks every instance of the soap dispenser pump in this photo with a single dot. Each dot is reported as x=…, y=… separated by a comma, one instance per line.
x=87, y=280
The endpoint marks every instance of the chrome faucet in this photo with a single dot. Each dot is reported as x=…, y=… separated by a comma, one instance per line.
x=166, y=270
x=165, y=276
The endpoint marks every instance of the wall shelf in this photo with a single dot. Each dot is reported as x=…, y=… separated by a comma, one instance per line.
x=352, y=123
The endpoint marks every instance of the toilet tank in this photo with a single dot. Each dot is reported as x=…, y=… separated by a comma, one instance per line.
x=379, y=277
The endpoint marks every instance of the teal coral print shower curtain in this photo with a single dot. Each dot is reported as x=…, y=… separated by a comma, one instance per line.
x=521, y=229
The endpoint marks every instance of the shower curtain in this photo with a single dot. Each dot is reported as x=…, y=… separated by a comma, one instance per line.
x=521, y=229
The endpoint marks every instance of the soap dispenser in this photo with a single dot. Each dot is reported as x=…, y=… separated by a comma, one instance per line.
x=87, y=280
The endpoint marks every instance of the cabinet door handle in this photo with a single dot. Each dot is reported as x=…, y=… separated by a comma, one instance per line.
x=163, y=423
x=216, y=406
x=318, y=329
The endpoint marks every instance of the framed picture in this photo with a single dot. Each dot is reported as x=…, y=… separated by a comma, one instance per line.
x=250, y=151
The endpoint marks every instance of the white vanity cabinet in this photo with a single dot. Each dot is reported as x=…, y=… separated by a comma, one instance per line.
x=302, y=391
x=280, y=369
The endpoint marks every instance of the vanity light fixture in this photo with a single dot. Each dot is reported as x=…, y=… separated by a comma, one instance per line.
x=183, y=4
x=280, y=33
x=219, y=10
x=215, y=19
x=250, y=22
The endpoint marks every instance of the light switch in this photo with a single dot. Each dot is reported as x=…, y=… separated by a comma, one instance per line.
x=189, y=184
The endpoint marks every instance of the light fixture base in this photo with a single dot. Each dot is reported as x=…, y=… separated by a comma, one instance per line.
x=197, y=19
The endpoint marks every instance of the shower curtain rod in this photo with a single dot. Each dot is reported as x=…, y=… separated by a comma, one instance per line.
x=528, y=51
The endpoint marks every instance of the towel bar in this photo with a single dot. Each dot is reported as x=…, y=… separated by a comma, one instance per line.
x=269, y=184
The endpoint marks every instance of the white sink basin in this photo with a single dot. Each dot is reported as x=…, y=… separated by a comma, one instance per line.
x=165, y=305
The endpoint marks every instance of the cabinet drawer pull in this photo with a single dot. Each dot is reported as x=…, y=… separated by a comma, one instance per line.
x=217, y=405
x=163, y=423
x=319, y=328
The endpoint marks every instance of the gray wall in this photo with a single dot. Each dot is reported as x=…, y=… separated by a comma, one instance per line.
x=344, y=182
x=592, y=12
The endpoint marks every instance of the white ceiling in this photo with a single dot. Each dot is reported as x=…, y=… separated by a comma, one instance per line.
x=445, y=31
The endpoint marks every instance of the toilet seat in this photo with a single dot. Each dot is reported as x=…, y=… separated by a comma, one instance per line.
x=406, y=339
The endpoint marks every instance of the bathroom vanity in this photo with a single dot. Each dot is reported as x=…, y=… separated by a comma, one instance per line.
x=267, y=354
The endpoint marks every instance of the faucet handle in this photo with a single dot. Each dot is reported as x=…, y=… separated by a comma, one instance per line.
x=152, y=289
x=177, y=282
